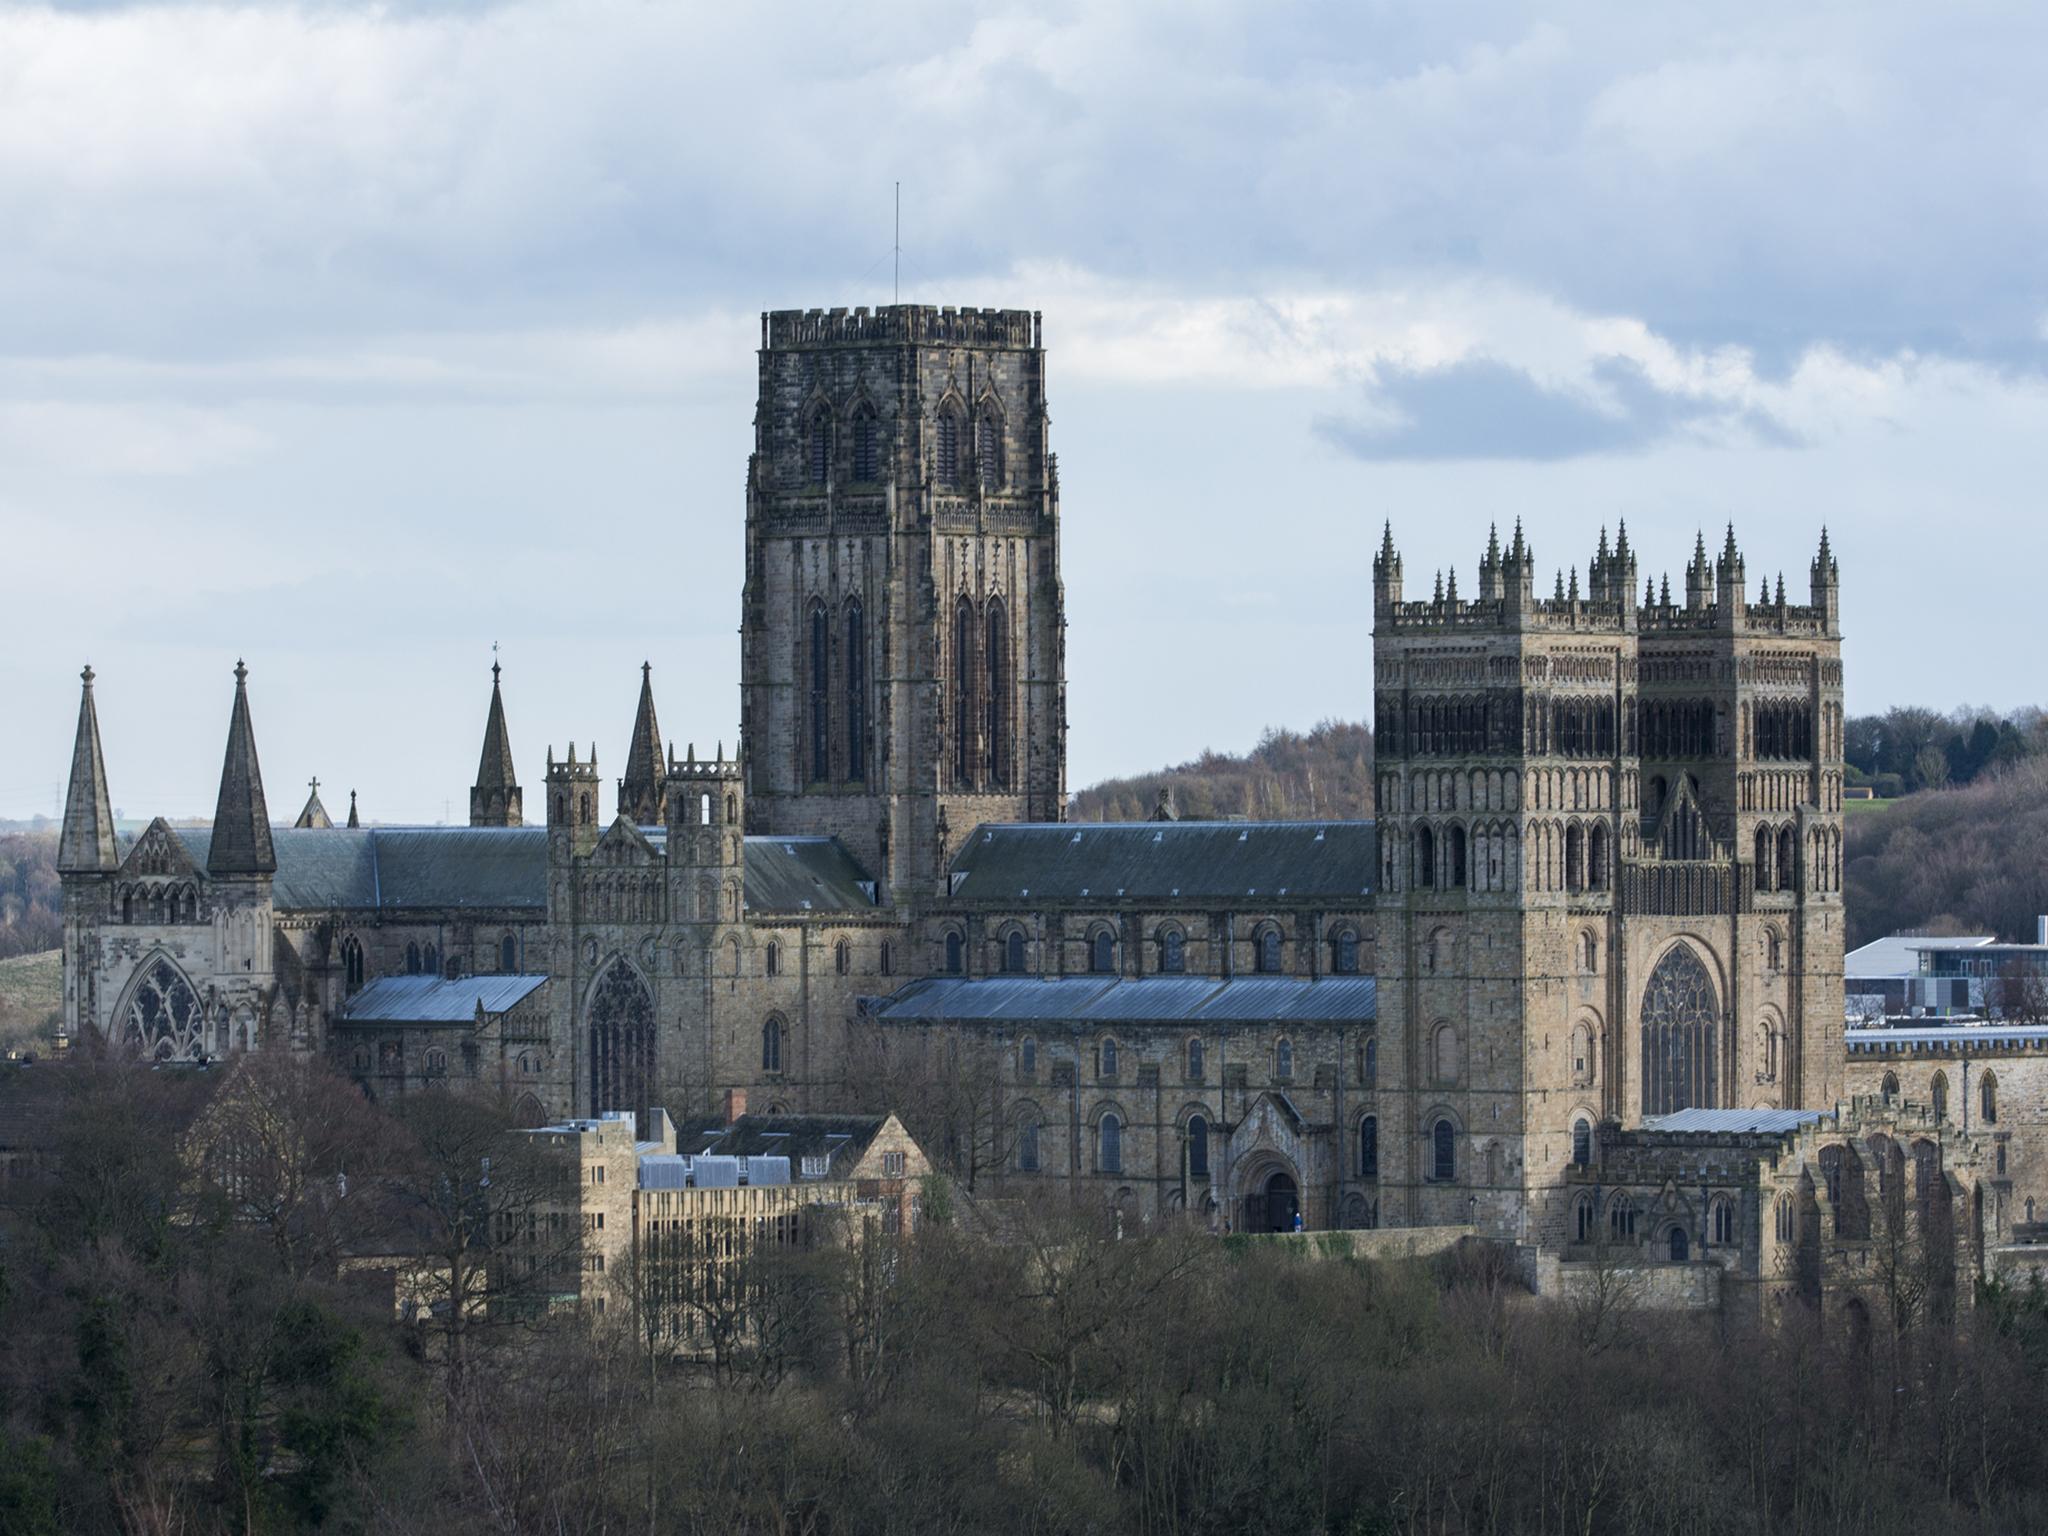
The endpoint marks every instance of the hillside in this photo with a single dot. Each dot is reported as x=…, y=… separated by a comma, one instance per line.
x=1973, y=859
x=31, y=996
x=31, y=901
x=1325, y=773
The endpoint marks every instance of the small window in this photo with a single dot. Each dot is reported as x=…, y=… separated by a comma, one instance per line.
x=953, y=951
x=1582, y=1218
x=866, y=457
x=1784, y=1219
x=1582, y=1142
x=842, y=957
x=1027, y=1058
x=1369, y=1147
x=948, y=454
x=1266, y=952
x=1369, y=1073
x=1195, y=1062
x=1105, y=1058
x=508, y=955
x=774, y=959
x=1283, y=1060
x=1589, y=952
x=430, y=960
x=1890, y=1088
x=1723, y=1222
x=1109, y=1144
x=1027, y=1146
x=892, y=1165
x=1987, y=1101
x=820, y=446
x=437, y=1063
x=412, y=959
x=1102, y=952
x=771, y=1046
x=1621, y=1219
x=885, y=962
x=1443, y=1141
x=1173, y=957
x=1940, y=1095
x=1344, y=952
x=1198, y=1147
x=1013, y=952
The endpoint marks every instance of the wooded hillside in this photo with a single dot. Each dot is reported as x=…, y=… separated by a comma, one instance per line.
x=1325, y=773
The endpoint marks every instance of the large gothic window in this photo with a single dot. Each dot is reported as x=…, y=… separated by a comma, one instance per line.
x=165, y=1022
x=621, y=1015
x=856, y=694
x=998, y=697
x=821, y=706
x=963, y=695
x=1680, y=1012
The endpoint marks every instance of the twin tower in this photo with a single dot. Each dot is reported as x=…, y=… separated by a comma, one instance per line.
x=903, y=621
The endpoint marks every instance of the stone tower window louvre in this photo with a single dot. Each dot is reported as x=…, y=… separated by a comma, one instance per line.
x=819, y=446
x=998, y=697
x=948, y=455
x=856, y=694
x=988, y=449
x=866, y=446
x=820, y=700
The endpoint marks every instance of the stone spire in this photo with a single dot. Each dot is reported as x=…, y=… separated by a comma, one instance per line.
x=353, y=819
x=315, y=814
x=87, y=843
x=241, y=822
x=494, y=799
x=643, y=792
x=1386, y=572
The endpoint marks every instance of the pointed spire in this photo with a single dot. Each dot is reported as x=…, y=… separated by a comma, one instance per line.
x=1763, y=592
x=1518, y=552
x=1560, y=583
x=1451, y=588
x=1387, y=556
x=353, y=819
x=1665, y=597
x=241, y=821
x=641, y=794
x=1574, y=593
x=1439, y=587
x=1649, y=591
x=1493, y=543
x=87, y=842
x=1621, y=539
x=1781, y=589
x=315, y=814
x=495, y=800
x=1729, y=553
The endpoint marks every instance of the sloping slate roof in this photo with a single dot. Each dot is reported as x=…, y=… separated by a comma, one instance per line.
x=1733, y=1121
x=791, y=1136
x=399, y=868
x=804, y=874
x=1106, y=1000
x=434, y=1000
x=1152, y=861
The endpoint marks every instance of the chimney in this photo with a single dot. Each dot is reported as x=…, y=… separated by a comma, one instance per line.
x=735, y=1104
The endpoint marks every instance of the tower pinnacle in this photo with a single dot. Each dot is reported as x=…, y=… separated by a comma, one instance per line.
x=86, y=845
x=241, y=842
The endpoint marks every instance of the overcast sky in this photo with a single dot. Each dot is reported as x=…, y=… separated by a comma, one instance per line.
x=353, y=340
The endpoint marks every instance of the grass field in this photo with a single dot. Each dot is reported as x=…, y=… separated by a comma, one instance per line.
x=1858, y=807
x=31, y=990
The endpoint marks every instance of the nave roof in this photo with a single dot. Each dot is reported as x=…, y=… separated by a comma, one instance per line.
x=1131, y=1000
x=1161, y=862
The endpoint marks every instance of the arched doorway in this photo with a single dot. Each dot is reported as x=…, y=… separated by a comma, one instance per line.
x=1271, y=1206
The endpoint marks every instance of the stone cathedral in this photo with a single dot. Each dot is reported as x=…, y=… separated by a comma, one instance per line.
x=1601, y=902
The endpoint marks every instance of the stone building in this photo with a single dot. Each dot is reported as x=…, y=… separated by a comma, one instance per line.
x=1604, y=886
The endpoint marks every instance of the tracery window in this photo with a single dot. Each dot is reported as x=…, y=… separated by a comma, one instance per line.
x=1680, y=1013
x=1582, y=1218
x=621, y=1015
x=412, y=959
x=1621, y=1219
x=771, y=1045
x=1722, y=1221
x=165, y=1022
x=351, y=963
x=948, y=454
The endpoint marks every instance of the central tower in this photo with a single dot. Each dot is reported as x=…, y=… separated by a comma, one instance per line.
x=903, y=674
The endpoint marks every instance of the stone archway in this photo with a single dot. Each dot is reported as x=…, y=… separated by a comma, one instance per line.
x=1269, y=1196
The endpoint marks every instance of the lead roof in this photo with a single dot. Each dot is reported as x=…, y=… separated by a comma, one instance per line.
x=1164, y=862
x=1131, y=1000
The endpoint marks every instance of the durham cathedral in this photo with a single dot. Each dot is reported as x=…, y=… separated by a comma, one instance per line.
x=1580, y=983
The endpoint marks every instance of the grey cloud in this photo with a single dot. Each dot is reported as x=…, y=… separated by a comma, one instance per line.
x=1482, y=409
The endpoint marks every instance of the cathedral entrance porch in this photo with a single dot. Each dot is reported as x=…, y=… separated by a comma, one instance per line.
x=1272, y=1204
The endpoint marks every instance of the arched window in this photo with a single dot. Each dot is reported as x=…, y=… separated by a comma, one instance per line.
x=855, y=667
x=1266, y=952
x=1680, y=1013
x=821, y=703
x=1596, y=856
x=1198, y=1147
x=430, y=961
x=988, y=448
x=948, y=454
x=1109, y=1144
x=867, y=458
x=1774, y=950
x=1027, y=1057
x=1443, y=1053
x=1443, y=1146
x=842, y=957
x=1102, y=952
x=885, y=960
x=508, y=954
x=1782, y=1219
x=1283, y=1060
x=621, y=1015
x=819, y=446
x=963, y=694
x=1370, y=1067
x=1890, y=1088
x=1589, y=952
x=1582, y=1218
x=1425, y=858
x=1721, y=1221
x=435, y=1063
x=1456, y=880
x=1172, y=951
x=1987, y=1098
x=771, y=1046
x=1621, y=1219
x=1013, y=951
x=772, y=959
x=1677, y=1245
x=1344, y=952
x=996, y=697
x=1369, y=1147
x=351, y=963
x=165, y=1021
x=1195, y=1062
x=954, y=948
x=1765, y=843
x=1583, y=1063
x=1940, y=1095
x=1574, y=857
x=412, y=959
x=1788, y=859
x=1027, y=1146
x=1105, y=1057
x=1582, y=1142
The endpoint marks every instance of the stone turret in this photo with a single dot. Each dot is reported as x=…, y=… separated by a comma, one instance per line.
x=494, y=800
x=643, y=792
x=572, y=802
x=1827, y=586
x=241, y=821
x=87, y=843
x=1386, y=572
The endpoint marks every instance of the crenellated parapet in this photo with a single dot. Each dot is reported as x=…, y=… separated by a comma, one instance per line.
x=902, y=324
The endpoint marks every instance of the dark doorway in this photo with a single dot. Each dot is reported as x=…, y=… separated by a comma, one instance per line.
x=1681, y=1249
x=1272, y=1207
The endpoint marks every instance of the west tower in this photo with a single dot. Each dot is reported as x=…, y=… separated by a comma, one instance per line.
x=1610, y=844
x=902, y=629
